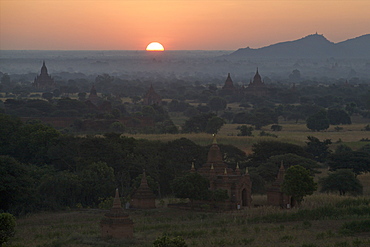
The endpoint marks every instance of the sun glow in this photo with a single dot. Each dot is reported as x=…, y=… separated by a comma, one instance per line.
x=155, y=46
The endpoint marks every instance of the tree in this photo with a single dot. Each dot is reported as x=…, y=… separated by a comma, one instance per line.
x=214, y=124
x=48, y=96
x=193, y=186
x=318, y=121
x=318, y=149
x=265, y=149
x=197, y=123
x=338, y=116
x=276, y=127
x=270, y=168
x=245, y=130
x=217, y=103
x=7, y=225
x=17, y=186
x=298, y=183
x=357, y=161
x=343, y=181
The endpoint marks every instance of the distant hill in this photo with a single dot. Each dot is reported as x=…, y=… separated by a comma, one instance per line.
x=311, y=46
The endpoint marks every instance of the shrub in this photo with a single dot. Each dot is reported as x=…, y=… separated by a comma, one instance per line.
x=166, y=241
x=7, y=225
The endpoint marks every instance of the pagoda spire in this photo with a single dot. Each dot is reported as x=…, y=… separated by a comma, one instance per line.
x=117, y=201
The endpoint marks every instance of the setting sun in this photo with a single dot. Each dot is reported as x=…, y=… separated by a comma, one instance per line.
x=155, y=46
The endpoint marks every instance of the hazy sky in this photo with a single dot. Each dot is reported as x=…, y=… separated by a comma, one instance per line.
x=177, y=24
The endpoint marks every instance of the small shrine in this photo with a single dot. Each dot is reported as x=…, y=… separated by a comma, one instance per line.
x=143, y=197
x=274, y=195
x=116, y=223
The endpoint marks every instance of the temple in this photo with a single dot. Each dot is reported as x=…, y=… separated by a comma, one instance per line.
x=151, y=97
x=237, y=184
x=228, y=88
x=274, y=195
x=116, y=223
x=257, y=87
x=44, y=80
x=143, y=197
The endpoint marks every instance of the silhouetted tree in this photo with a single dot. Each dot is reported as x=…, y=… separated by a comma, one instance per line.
x=343, y=181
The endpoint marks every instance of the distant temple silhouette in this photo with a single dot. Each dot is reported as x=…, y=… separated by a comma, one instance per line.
x=228, y=88
x=44, y=80
x=151, y=97
x=256, y=87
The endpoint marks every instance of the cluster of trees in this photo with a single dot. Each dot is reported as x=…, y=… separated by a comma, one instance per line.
x=44, y=169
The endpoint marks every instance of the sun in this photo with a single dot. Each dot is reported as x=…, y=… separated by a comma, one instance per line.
x=155, y=46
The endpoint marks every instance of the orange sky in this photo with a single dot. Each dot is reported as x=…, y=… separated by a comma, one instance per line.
x=177, y=24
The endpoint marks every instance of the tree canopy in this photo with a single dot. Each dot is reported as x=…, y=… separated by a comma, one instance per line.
x=298, y=183
x=318, y=121
x=342, y=181
x=192, y=185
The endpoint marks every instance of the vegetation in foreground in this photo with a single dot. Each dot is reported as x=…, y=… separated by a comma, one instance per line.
x=321, y=220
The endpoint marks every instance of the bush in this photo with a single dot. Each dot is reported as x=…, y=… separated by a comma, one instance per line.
x=7, y=225
x=276, y=127
x=166, y=241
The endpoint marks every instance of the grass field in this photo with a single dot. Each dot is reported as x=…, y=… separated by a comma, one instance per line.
x=320, y=221
x=292, y=133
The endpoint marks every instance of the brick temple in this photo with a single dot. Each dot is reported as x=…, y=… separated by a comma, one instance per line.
x=237, y=184
x=274, y=195
x=116, y=223
x=143, y=197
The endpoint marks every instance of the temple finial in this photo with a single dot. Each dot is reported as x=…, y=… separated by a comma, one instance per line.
x=117, y=201
x=214, y=139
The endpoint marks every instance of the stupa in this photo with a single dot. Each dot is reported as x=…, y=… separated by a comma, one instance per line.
x=116, y=223
x=143, y=197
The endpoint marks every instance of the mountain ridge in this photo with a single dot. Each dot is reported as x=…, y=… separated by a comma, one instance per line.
x=310, y=46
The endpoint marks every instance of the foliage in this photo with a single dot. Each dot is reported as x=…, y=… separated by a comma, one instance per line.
x=217, y=103
x=258, y=117
x=270, y=168
x=166, y=241
x=17, y=190
x=276, y=127
x=214, y=125
x=265, y=149
x=357, y=161
x=343, y=181
x=192, y=185
x=318, y=121
x=245, y=130
x=338, y=116
x=298, y=183
x=318, y=149
x=7, y=225
x=197, y=123
x=264, y=133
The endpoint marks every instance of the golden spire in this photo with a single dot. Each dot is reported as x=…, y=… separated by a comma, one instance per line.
x=237, y=165
x=212, y=168
x=225, y=172
x=246, y=170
